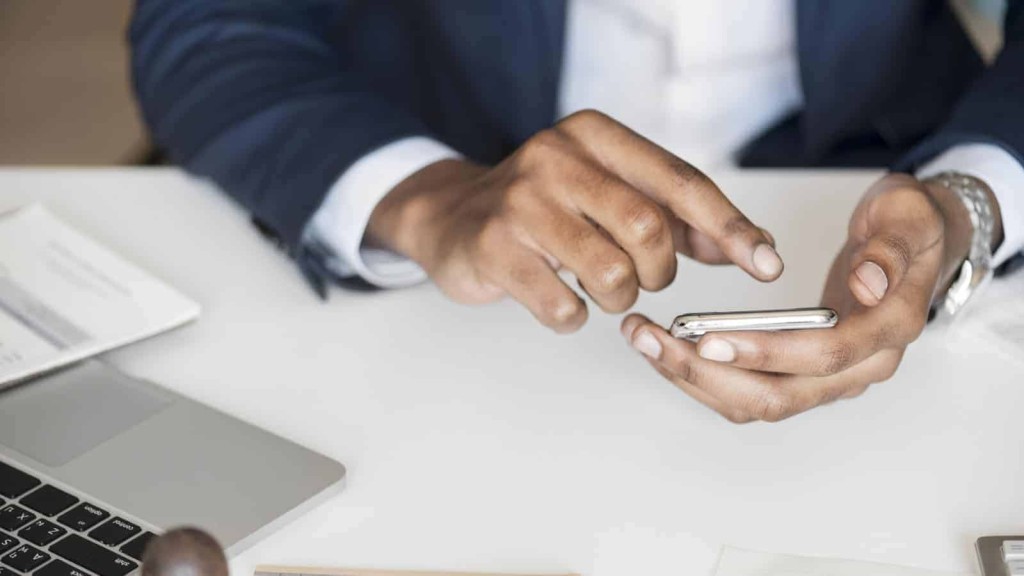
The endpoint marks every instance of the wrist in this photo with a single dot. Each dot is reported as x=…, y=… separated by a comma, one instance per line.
x=407, y=219
x=958, y=228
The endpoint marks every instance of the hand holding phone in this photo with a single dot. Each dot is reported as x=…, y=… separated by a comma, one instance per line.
x=693, y=326
x=882, y=282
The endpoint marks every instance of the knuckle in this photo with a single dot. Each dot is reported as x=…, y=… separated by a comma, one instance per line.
x=519, y=196
x=887, y=369
x=616, y=276
x=522, y=276
x=885, y=335
x=647, y=225
x=492, y=236
x=855, y=391
x=765, y=355
x=686, y=371
x=886, y=373
x=736, y=417
x=582, y=119
x=913, y=198
x=561, y=313
x=738, y=226
x=577, y=239
x=830, y=394
x=836, y=358
x=909, y=193
x=542, y=148
x=898, y=250
x=771, y=405
x=687, y=176
x=597, y=180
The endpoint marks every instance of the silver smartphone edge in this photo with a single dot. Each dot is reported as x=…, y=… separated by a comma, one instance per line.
x=696, y=325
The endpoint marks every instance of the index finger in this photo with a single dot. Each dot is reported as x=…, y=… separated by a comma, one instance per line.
x=679, y=186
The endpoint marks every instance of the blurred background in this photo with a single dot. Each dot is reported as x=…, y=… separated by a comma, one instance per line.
x=65, y=94
x=64, y=87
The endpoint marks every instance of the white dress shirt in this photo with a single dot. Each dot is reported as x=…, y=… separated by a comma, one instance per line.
x=704, y=77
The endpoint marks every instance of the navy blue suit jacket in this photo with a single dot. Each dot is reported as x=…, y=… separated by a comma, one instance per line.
x=274, y=99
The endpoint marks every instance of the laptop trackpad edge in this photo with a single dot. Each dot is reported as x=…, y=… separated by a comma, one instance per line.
x=59, y=417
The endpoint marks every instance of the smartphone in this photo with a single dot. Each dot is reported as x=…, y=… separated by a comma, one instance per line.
x=691, y=326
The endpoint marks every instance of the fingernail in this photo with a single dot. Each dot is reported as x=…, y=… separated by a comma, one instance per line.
x=767, y=261
x=717, y=350
x=873, y=277
x=648, y=345
x=626, y=330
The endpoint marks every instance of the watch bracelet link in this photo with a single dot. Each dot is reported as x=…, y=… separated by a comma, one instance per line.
x=976, y=269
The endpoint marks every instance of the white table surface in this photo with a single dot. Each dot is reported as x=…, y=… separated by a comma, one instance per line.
x=476, y=440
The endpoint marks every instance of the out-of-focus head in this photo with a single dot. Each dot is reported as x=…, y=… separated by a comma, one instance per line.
x=184, y=552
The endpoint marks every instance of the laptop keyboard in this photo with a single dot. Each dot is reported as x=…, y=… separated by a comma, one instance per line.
x=44, y=531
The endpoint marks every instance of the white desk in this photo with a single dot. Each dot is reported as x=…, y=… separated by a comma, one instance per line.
x=477, y=440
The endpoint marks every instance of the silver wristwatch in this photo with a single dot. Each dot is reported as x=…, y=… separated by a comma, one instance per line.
x=976, y=269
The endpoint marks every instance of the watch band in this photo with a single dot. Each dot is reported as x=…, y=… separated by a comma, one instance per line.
x=976, y=269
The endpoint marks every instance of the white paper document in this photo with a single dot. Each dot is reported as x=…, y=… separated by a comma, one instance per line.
x=738, y=562
x=64, y=297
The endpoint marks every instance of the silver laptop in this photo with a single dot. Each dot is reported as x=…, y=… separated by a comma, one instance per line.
x=93, y=463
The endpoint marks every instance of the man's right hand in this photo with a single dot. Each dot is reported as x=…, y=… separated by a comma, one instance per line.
x=589, y=195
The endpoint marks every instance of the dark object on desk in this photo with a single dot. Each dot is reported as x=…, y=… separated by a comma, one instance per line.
x=1000, y=555
x=184, y=552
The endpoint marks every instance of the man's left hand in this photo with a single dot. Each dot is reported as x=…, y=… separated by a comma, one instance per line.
x=905, y=241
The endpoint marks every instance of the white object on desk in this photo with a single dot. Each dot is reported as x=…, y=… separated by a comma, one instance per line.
x=65, y=297
x=1013, y=550
x=477, y=440
x=321, y=571
x=737, y=562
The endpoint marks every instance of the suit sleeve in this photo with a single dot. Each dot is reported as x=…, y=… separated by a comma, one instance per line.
x=992, y=110
x=256, y=96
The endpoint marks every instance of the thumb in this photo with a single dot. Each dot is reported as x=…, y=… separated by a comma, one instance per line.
x=902, y=226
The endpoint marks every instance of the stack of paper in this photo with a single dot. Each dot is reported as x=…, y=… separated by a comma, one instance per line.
x=64, y=297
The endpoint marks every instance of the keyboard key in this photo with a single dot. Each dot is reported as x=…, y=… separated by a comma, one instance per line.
x=1015, y=568
x=49, y=501
x=7, y=572
x=13, y=517
x=25, y=558
x=83, y=517
x=60, y=568
x=14, y=482
x=114, y=532
x=42, y=532
x=136, y=548
x=1013, y=550
x=92, y=557
x=7, y=542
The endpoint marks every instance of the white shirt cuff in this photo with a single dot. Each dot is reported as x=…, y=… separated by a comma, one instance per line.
x=1003, y=173
x=339, y=225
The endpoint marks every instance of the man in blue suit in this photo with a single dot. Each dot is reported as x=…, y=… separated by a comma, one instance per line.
x=385, y=141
